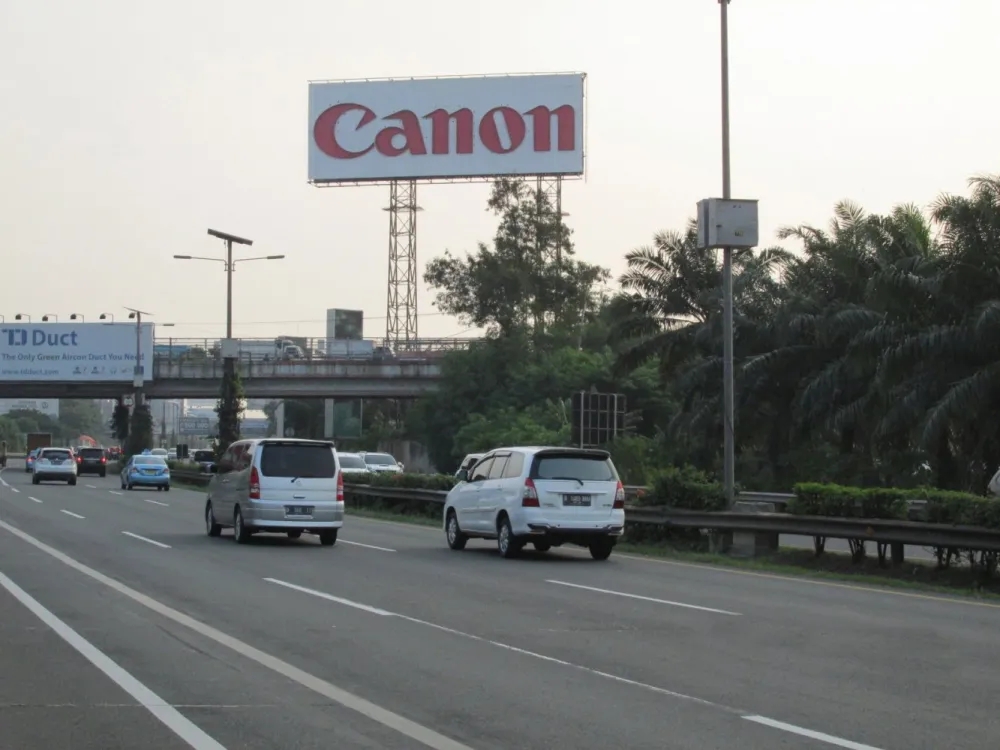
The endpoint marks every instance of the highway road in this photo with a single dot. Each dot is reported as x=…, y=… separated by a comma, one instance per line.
x=125, y=626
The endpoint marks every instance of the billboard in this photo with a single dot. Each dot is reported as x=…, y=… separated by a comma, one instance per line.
x=345, y=324
x=47, y=406
x=439, y=128
x=73, y=352
x=198, y=426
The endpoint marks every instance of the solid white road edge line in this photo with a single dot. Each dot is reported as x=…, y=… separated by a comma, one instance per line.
x=144, y=539
x=827, y=738
x=383, y=716
x=607, y=675
x=155, y=502
x=367, y=546
x=34, y=499
x=71, y=513
x=168, y=715
x=645, y=598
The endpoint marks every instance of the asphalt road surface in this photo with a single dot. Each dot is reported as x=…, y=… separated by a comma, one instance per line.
x=124, y=626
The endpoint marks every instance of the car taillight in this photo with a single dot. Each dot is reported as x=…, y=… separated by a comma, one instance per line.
x=619, y=498
x=529, y=498
x=104, y=460
x=254, y=484
x=340, y=486
x=79, y=459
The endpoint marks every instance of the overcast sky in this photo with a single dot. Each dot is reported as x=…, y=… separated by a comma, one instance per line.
x=128, y=127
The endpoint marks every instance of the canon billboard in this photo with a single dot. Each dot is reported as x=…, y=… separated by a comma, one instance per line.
x=437, y=128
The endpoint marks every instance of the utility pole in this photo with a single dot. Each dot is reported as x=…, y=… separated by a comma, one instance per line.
x=729, y=399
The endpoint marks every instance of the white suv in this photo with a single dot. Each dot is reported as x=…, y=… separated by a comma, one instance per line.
x=545, y=496
x=57, y=464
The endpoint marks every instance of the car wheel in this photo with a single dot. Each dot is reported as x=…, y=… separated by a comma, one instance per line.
x=507, y=544
x=167, y=488
x=601, y=549
x=542, y=546
x=211, y=527
x=456, y=539
x=72, y=481
x=103, y=474
x=294, y=534
x=240, y=533
x=328, y=537
x=130, y=486
x=36, y=480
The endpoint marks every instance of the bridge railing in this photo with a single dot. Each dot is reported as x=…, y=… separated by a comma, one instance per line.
x=266, y=349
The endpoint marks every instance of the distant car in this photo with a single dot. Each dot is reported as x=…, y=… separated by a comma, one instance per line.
x=146, y=471
x=277, y=485
x=161, y=452
x=381, y=462
x=29, y=460
x=55, y=464
x=468, y=462
x=546, y=497
x=171, y=455
x=91, y=461
x=352, y=463
x=205, y=460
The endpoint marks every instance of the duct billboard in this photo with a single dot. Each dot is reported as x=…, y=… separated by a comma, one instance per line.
x=71, y=352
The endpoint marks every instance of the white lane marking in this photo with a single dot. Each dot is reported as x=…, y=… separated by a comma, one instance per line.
x=71, y=513
x=153, y=703
x=144, y=539
x=34, y=499
x=156, y=502
x=607, y=675
x=331, y=597
x=645, y=598
x=90, y=487
x=367, y=546
x=827, y=738
x=385, y=717
x=115, y=493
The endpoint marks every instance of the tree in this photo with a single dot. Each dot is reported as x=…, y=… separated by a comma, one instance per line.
x=528, y=280
x=80, y=417
x=229, y=409
x=119, y=422
x=140, y=433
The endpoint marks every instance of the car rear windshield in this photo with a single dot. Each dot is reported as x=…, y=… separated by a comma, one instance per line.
x=588, y=468
x=351, y=462
x=92, y=452
x=150, y=461
x=298, y=460
x=380, y=459
x=60, y=455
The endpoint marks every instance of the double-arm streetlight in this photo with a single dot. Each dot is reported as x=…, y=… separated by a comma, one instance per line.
x=229, y=264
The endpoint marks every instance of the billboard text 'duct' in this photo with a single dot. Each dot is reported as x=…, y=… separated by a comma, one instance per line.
x=446, y=127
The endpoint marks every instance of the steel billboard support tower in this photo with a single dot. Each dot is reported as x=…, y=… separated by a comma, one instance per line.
x=401, y=297
x=551, y=187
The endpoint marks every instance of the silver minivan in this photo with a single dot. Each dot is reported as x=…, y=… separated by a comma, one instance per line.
x=277, y=485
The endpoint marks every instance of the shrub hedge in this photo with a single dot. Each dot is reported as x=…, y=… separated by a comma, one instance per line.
x=684, y=488
x=403, y=480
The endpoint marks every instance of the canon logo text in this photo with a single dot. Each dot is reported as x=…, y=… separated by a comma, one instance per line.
x=404, y=135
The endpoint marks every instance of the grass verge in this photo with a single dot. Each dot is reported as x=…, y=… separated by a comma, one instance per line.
x=793, y=562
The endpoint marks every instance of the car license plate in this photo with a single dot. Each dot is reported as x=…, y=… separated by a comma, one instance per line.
x=576, y=501
x=298, y=510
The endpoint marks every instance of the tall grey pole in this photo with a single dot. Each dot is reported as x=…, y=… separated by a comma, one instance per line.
x=229, y=289
x=728, y=386
x=138, y=357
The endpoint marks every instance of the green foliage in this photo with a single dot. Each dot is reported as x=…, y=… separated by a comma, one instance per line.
x=119, y=422
x=959, y=508
x=140, y=433
x=686, y=488
x=814, y=499
x=403, y=480
x=229, y=408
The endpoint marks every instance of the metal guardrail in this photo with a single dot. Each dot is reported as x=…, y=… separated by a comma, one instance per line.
x=313, y=348
x=875, y=530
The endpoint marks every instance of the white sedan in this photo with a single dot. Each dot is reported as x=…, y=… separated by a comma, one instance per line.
x=55, y=464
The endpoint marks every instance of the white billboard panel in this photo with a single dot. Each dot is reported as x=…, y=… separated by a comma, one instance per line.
x=73, y=353
x=47, y=406
x=437, y=128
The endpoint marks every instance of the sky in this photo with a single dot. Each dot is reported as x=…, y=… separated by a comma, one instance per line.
x=130, y=127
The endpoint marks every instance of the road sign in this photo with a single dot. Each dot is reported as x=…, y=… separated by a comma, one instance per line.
x=128, y=400
x=194, y=426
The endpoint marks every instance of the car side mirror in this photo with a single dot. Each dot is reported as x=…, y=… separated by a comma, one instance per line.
x=462, y=475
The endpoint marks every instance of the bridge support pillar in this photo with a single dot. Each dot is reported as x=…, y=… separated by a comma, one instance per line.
x=279, y=419
x=328, y=418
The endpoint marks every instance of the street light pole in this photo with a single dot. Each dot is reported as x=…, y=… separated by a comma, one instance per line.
x=728, y=385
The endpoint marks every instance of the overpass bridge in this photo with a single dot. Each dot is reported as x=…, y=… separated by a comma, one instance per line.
x=185, y=369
